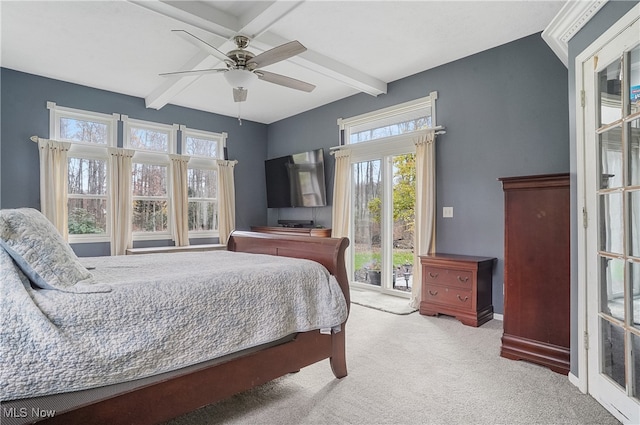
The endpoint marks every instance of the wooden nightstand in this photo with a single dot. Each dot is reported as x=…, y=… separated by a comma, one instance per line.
x=457, y=285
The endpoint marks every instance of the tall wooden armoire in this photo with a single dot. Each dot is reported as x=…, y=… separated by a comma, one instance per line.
x=537, y=270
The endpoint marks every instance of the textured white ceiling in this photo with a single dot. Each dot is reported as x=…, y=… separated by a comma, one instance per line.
x=122, y=46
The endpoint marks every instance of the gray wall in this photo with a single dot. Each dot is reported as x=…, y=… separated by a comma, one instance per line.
x=611, y=12
x=505, y=113
x=24, y=114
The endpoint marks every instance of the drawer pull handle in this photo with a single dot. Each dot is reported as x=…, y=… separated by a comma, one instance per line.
x=433, y=293
x=463, y=279
x=433, y=275
x=462, y=299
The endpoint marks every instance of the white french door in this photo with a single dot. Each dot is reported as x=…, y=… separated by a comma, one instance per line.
x=382, y=221
x=611, y=189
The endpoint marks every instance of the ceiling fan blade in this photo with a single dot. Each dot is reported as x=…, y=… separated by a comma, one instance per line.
x=193, y=72
x=239, y=94
x=277, y=54
x=203, y=45
x=284, y=81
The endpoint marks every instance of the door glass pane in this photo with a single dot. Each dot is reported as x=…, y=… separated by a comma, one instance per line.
x=634, y=80
x=367, y=215
x=634, y=278
x=634, y=223
x=611, y=158
x=611, y=223
x=612, y=296
x=634, y=152
x=404, y=190
x=610, y=93
x=612, y=360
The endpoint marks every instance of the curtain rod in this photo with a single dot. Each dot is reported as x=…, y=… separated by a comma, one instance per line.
x=437, y=130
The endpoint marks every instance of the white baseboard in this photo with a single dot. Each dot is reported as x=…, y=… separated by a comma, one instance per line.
x=574, y=379
x=497, y=316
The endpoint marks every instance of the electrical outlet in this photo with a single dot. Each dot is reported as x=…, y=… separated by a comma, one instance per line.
x=447, y=212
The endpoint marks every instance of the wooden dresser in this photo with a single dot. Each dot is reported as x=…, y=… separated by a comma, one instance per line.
x=537, y=270
x=457, y=285
x=319, y=232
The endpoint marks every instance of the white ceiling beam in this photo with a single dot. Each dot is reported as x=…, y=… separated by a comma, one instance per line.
x=174, y=85
x=329, y=67
x=264, y=15
x=197, y=14
x=255, y=24
x=223, y=25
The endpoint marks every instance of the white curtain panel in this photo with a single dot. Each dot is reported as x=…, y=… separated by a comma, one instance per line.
x=226, y=199
x=425, y=209
x=53, y=183
x=341, y=194
x=180, y=199
x=120, y=164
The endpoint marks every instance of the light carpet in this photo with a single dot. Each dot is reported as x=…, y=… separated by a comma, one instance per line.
x=383, y=302
x=413, y=369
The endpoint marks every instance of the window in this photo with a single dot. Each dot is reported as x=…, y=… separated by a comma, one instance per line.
x=150, y=179
x=394, y=121
x=383, y=192
x=204, y=148
x=87, y=198
x=90, y=184
x=90, y=134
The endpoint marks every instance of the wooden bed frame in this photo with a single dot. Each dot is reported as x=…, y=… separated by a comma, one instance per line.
x=173, y=397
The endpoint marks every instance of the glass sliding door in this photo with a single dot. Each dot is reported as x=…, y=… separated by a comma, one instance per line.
x=383, y=223
x=367, y=220
x=382, y=146
x=403, y=220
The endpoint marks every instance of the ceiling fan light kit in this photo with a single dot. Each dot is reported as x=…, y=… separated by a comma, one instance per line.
x=240, y=78
x=243, y=67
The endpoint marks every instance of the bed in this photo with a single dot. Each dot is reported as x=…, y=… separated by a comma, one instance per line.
x=297, y=336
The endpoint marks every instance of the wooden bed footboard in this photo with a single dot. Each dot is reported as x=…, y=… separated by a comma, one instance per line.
x=173, y=397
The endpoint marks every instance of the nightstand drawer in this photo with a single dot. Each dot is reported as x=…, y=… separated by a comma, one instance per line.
x=451, y=297
x=448, y=277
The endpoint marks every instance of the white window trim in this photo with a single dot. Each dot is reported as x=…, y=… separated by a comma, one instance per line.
x=86, y=151
x=56, y=112
x=221, y=138
x=149, y=158
x=391, y=111
x=204, y=163
x=152, y=157
x=171, y=129
x=391, y=145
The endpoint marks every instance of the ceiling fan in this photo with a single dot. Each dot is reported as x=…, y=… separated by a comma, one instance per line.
x=243, y=67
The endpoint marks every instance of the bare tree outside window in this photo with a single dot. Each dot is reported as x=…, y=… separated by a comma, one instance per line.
x=150, y=201
x=202, y=192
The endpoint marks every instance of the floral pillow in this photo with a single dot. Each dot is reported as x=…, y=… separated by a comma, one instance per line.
x=42, y=254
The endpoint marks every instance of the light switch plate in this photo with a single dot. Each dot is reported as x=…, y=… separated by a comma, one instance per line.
x=447, y=212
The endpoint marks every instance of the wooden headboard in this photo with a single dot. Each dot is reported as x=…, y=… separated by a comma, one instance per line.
x=329, y=252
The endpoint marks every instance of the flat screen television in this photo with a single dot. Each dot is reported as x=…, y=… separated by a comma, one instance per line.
x=296, y=180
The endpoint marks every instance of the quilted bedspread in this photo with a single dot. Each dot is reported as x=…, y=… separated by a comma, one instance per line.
x=164, y=312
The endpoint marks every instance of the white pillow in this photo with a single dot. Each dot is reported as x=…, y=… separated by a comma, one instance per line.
x=42, y=254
